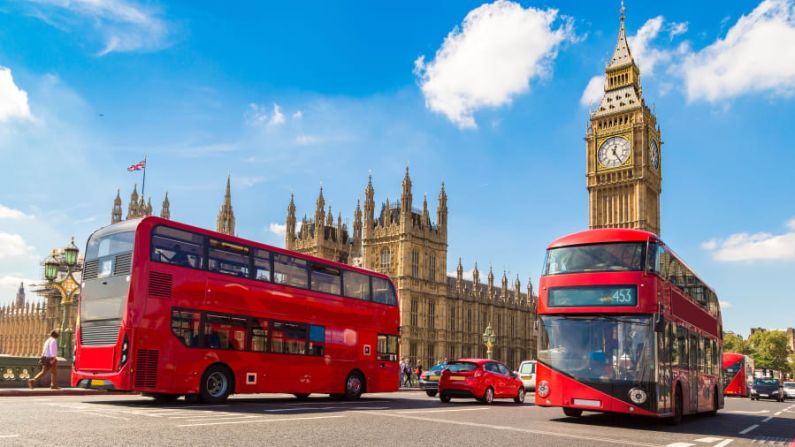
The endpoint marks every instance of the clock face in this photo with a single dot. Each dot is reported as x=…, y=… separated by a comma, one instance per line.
x=654, y=155
x=614, y=152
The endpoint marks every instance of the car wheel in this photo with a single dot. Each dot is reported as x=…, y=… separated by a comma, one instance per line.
x=301, y=396
x=216, y=385
x=572, y=412
x=488, y=396
x=430, y=393
x=444, y=397
x=354, y=386
x=519, y=399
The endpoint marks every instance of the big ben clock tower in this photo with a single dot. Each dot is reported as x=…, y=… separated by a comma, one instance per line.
x=623, y=146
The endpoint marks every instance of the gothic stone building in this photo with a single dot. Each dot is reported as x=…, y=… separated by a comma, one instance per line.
x=441, y=316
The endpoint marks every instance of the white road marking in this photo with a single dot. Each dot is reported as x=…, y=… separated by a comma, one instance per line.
x=767, y=418
x=441, y=411
x=97, y=413
x=748, y=411
x=335, y=403
x=680, y=444
x=777, y=413
x=235, y=418
x=749, y=429
x=282, y=410
x=708, y=439
x=9, y=436
x=261, y=419
x=515, y=429
x=724, y=443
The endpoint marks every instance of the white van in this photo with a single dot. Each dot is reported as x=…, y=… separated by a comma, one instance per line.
x=527, y=372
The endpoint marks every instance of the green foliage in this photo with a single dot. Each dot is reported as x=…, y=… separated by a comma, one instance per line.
x=769, y=350
x=735, y=343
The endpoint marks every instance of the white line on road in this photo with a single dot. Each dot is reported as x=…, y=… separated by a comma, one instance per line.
x=262, y=420
x=709, y=439
x=680, y=444
x=749, y=429
x=748, y=411
x=441, y=411
x=335, y=403
x=724, y=443
x=776, y=413
x=516, y=429
x=9, y=436
x=281, y=410
x=767, y=418
x=96, y=413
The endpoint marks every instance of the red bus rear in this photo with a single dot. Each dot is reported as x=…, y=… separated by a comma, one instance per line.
x=168, y=309
x=737, y=374
x=626, y=327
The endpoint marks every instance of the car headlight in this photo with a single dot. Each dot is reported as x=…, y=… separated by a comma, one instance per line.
x=543, y=389
x=637, y=396
x=774, y=392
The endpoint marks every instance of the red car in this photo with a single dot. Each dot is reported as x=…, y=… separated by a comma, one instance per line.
x=482, y=379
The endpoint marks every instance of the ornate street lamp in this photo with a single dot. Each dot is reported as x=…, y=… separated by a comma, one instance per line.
x=489, y=338
x=67, y=287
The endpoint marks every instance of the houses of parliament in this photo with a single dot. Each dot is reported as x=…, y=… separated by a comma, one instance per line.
x=444, y=316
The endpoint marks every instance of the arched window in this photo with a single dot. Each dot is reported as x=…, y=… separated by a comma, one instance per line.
x=386, y=260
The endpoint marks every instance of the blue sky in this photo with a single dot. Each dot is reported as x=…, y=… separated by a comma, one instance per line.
x=491, y=98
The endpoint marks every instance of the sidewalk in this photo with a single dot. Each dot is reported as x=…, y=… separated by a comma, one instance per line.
x=46, y=391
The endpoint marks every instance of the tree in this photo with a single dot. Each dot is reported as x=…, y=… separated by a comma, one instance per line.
x=769, y=350
x=735, y=343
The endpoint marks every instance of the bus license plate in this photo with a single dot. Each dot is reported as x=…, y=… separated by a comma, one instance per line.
x=97, y=382
x=457, y=378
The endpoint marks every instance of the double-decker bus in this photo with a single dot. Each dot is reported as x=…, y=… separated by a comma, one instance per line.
x=738, y=374
x=169, y=309
x=626, y=327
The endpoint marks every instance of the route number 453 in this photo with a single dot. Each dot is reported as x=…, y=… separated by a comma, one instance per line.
x=622, y=296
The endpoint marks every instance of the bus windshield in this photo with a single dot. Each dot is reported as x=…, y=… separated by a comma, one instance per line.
x=611, y=257
x=109, y=245
x=599, y=348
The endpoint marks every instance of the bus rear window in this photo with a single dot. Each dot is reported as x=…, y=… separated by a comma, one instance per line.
x=461, y=367
x=613, y=257
x=110, y=245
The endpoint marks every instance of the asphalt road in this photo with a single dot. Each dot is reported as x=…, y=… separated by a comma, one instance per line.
x=406, y=418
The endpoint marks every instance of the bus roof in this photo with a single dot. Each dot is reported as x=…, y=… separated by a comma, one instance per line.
x=130, y=225
x=602, y=236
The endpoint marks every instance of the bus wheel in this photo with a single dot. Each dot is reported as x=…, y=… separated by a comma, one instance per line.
x=354, y=386
x=301, y=396
x=164, y=398
x=676, y=419
x=216, y=385
x=572, y=412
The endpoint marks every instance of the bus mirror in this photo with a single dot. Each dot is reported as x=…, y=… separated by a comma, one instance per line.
x=659, y=321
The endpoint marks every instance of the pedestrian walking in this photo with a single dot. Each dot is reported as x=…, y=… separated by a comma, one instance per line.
x=407, y=375
x=48, y=362
x=418, y=371
x=402, y=367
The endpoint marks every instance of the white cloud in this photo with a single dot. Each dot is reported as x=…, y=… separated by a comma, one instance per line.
x=593, y=91
x=745, y=247
x=13, y=246
x=305, y=140
x=13, y=100
x=122, y=24
x=298, y=115
x=726, y=305
x=11, y=213
x=676, y=28
x=492, y=58
x=757, y=55
x=278, y=229
x=258, y=115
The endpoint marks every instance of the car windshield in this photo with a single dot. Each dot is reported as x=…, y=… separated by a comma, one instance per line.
x=527, y=368
x=613, y=257
x=733, y=368
x=600, y=349
x=461, y=367
x=766, y=382
x=789, y=384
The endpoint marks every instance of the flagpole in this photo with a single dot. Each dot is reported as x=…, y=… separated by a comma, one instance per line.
x=143, y=184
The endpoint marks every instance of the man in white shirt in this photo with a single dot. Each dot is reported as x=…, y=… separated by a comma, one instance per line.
x=48, y=362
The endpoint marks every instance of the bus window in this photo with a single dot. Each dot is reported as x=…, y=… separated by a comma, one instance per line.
x=227, y=258
x=185, y=326
x=357, y=285
x=317, y=340
x=177, y=247
x=387, y=347
x=326, y=279
x=610, y=257
x=290, y=271
x=259, y=335
x=383, y=292
x=224, y=332
x=262, y=265
x=288, y=338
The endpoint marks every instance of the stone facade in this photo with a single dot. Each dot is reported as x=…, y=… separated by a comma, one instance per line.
x=225, y=222
x=623, y=150
x=441, y=316
x=138, y=207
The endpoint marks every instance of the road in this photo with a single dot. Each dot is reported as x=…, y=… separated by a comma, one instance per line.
x=406, y=418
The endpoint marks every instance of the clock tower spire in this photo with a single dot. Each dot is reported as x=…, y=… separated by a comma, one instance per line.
x=623, y=168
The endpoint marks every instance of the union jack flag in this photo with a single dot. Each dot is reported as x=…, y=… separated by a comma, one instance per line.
x=138, y=166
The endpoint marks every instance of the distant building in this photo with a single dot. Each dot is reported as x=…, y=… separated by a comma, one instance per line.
x=138, y=207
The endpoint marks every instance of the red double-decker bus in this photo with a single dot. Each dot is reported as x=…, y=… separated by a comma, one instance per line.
x=738, y=374
x=626, y=327
x=168, y=309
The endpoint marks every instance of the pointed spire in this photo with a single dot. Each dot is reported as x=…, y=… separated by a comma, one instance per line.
x=621, y=55
x=426, y=217
x=115, y=215
x=20, y=301
x=225, y=223
x=320, y=209
x=369, y=207
x=330, y=217
x=165, y=209
x=490, y=279
x=441, y=211
x=289, y=235
x=405, y=197
x=149, y=207
x=132, y=208
x=476, y=276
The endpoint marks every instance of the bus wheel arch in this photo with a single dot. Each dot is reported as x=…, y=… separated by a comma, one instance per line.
x=217, y=383
x=355, y=384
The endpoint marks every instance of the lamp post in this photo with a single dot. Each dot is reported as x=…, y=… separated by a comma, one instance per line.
x=68, y=288
x=489, y=338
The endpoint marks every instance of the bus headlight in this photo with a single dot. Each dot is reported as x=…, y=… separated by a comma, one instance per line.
x=125, y=348
x=637, y=396
x=543, y=389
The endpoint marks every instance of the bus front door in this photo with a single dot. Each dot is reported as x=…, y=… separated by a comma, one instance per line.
x=693, y=373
